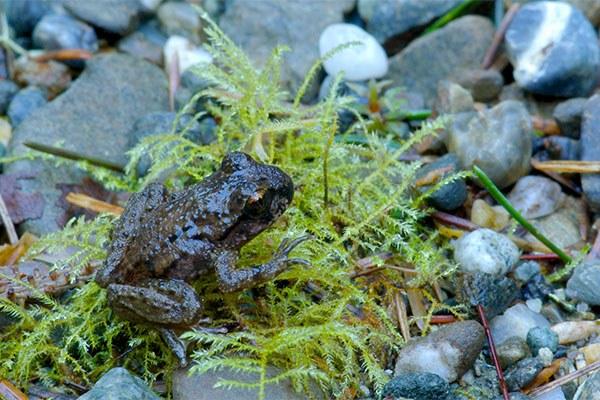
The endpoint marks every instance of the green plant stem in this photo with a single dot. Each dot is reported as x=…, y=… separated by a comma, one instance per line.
x=499, y=197
x=451, y=15
x=73, y=155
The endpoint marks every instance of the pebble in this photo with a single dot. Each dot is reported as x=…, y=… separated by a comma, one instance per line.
x=591, y=352
x=138, y=45
x=484, y=84
x=418, y=385
x=448, y=352
x=116, y=383
x=484, y=250
x=180, y=19
x=486, y=216
x=512, y=350
x=358, y=63
x=493, y=293
x=590, y=389
x=546, y=356
x=8, y=90
x=442, y=54
x=562, y=226
x=538, y=287
x=539, y=337
x=572, y=331
x=584, y=283
x=526, y=270
x=187, y=53
x=53, y=77
x=522, y=373
x=554, y=49
x=515, y=396
x=449, y=196
x=554, y=394
x=590, y=150
x=568, y=116
x=497, y=140
x=24, y=103
x=453, y=98
x=64, y=32
x=536, y=196
x=516, y=321
x=120, y=17
x=23, y=15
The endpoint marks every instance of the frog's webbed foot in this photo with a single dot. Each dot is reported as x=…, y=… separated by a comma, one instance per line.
x=232, y=280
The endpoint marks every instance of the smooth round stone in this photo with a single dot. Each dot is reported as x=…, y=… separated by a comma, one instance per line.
x=535, y=196
x=485, y=85
x=448, y=352
x=537, y=288
x=539, y=337
x=418, y=385
x=522, y=373
x=512, y=350
x=554, y=49
x=8, y=89
x=451, y=195
x=64, y=32
x=526, y=270
x=590, y=150
x=24, y=103
x=180, y=19
x=516, y=321
x=493, y=293
x=358, y=63
x=453, y=98
x=187, y=53
x=584, y=284
x=497, y=140
x=568, y=116
x=484, y=250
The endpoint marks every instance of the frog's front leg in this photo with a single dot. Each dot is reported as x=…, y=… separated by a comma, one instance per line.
x=232, y=280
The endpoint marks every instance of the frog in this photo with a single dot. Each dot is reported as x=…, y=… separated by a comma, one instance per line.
x=164, y=241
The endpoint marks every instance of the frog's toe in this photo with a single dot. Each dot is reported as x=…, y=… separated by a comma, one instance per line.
x=297, y=261
x=287, y=246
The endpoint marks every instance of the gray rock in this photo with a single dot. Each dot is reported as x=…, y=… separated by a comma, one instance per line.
x=388, y=18
x=554, y=50
x=493, y=293
x=92, y=117
x=522, y=373
x=539, y=337
x=590, y=389
x=484, y=250
x=484, y=85
x=138, y=45
x=584, y=284
x=120, y=17
x=64, y=32
x=201, y=387
x=449, y=196
x=181, y=19
x=562, y=226
x=8, y=90
x=590, y=150
x=497, y=140
x=448, y=352
x=568, y=116
x=512, y=350
x=516, y=321
x=119, y=384
x=258, y=26
x=515, y=396
x=24, y=103
x=442, y=54
x=22, y=15
x=418, y=385
x=526, y=270
x=453, y=98
x=536, y=196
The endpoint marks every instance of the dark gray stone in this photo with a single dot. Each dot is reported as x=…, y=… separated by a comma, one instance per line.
x=590, y=150
x=22, y=15
x=522, y=373
x=584, y=284
x=568, y=116
x=450, y=196
x=92, y=117
x=8, y=90
x=442, y=54
x=24, y=103
x=539, y=337
x=512, y=350
x=418, y=385
x=494, y=293
x=258, y=26
x=554, y=50
x=484, y=85
x=179, y=18
x=537, y=288
x=119, y=384
x=64, y=32
x=119, y=17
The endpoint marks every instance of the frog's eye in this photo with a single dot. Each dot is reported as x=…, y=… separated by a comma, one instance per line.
x=258, y=203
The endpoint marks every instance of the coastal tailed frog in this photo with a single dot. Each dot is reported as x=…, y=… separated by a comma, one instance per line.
x=163, y=241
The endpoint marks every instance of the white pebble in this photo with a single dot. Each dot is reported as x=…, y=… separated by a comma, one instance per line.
x=545, y=356
x=360, y=62
x=484, y=250
x=188, y=54
x=516, y=321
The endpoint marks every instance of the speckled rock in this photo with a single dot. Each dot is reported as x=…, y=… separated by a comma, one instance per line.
x=449, y=196
x=536, y=196
x=516, y=321
x=568, y=116
x=584, y=283
x=539, y=337
x=484, y=250
x=418, y=385
x=118, y=384
x=494, y=293
x=522, y=373
x=590, y=150
x=25, y=102
x=484, y=85
x=119, y=17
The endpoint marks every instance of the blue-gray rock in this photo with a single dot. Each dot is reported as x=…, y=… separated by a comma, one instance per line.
x=484, y=250
x=537, y=288
x=590, y=150
x=388, y=18
x=119, y=384
x=497, y=140
x=568, y=116
x=258, y=26
x=442, y=54
x=584, y=284
x=24, y=103
x=22, y=15
x=180, y=18
x=512, y=350
x=119, y=17
x=522, y=373
x=64, y=32
x=590, y=388
x=526, y=270
x=448, y=352
x=554, y=49
x=138, y=45
x=8, y=90
x=539, y=337
x=418, y=385
x=484, y=84
x=450, y=196
x=493, y=293
x=92, y=117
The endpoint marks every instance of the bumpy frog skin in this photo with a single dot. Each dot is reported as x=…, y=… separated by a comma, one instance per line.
x=164, y=240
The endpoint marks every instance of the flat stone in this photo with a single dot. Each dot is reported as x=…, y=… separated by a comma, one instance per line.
x=119, y=384
x=590, y=150
x=590, y=389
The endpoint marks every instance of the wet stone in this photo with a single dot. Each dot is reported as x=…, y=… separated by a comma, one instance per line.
x=8, y=89
x=537, y=288
x=590, y=150
x=539, y=337
x=584, y=284
x=494, y=293
x=484, y=85
x=24, y=103
x=512, y=350
x=522, y=373
x=418, y=385
x=484, y=250
x=451, y=195
x=568, y=116
x=64, y=32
